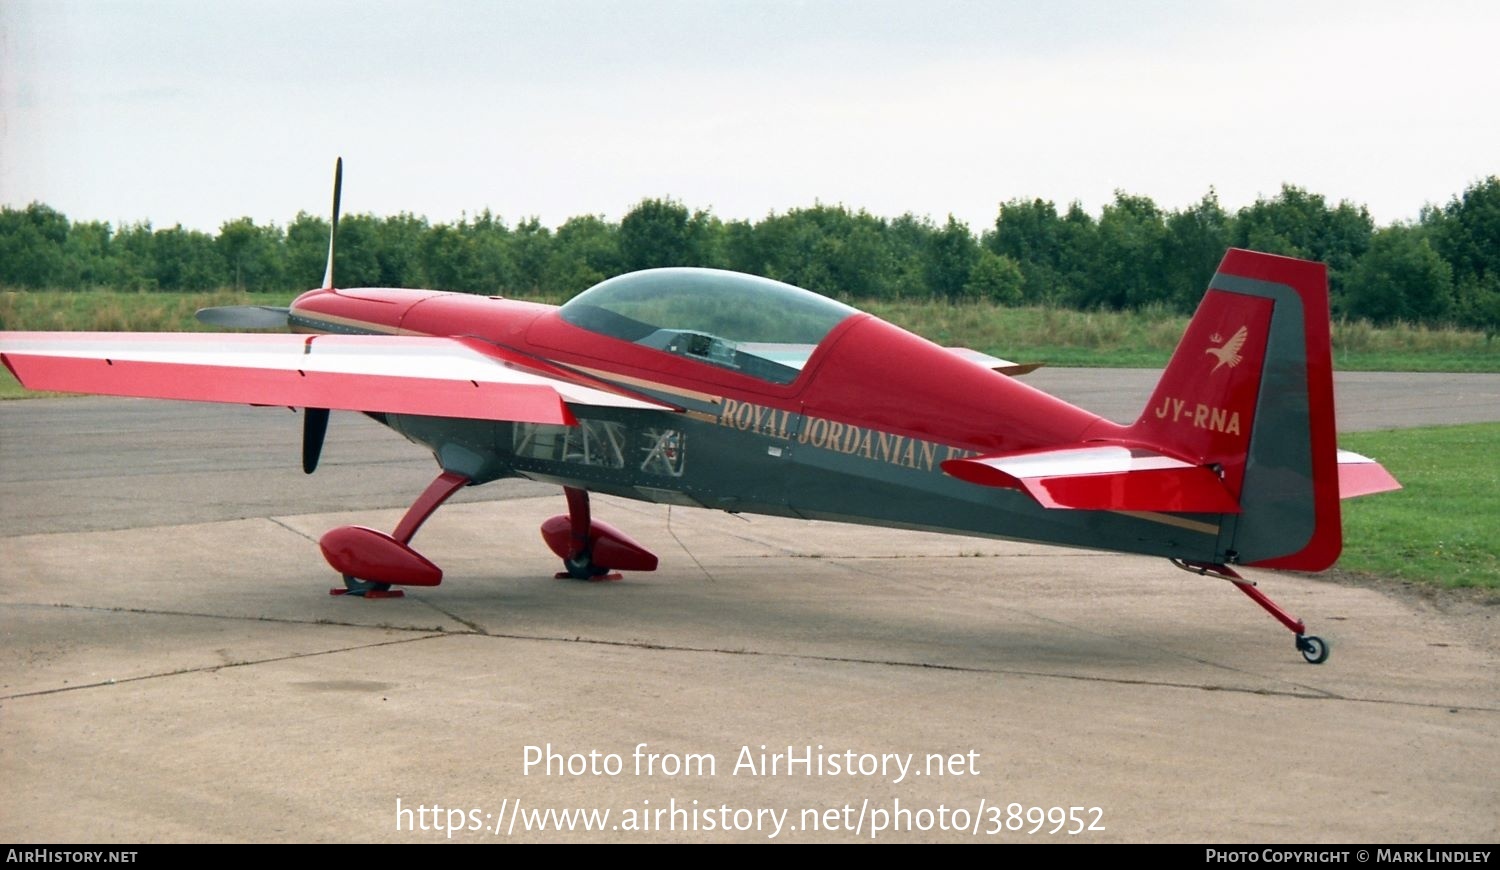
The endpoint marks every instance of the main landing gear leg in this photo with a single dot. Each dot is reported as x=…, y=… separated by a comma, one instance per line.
x=1313, y=648
x=578, y=562
x=590, y=549
x=372, y=561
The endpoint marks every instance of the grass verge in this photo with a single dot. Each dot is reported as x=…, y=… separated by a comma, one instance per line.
x=1440, y=529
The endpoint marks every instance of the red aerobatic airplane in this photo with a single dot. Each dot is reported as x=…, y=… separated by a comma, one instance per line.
x=722, y=390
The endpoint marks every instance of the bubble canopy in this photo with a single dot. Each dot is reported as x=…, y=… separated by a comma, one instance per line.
x=759, y=327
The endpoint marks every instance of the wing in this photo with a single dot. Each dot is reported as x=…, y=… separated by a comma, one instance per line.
x=439, y=377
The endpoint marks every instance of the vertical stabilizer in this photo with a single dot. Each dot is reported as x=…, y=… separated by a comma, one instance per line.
x=1249, y=392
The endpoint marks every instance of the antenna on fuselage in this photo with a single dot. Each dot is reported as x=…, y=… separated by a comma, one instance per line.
x=333, y=227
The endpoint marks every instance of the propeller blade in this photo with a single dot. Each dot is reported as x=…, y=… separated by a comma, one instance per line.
x=333, y=226
x=314, y=427
x=245, y=316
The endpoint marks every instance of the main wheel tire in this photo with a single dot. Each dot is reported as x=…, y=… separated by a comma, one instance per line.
x=359, y=587
x=582, y=568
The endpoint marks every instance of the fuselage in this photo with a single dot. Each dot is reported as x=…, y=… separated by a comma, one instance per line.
x=853, y=429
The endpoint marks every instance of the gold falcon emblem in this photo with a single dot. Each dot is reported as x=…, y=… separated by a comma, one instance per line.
x=1229, y=353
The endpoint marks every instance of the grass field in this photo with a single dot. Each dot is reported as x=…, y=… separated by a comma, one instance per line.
x=108, y=311
x=1441, y=527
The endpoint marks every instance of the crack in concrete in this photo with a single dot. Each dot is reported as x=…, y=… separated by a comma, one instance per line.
x=436, y=629
x=211, y=668
x=912, y=556
x=473, y=627
x=673, y=532
x=298, y=532
x=1307, y=693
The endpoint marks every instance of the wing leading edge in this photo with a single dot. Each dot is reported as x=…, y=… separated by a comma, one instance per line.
x=439, y=377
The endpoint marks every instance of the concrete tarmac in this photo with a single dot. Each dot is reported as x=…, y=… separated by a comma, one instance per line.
x=174, y=671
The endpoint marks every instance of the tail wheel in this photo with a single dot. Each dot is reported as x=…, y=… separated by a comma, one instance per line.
x=1313, y=648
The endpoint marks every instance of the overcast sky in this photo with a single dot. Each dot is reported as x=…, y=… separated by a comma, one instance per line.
x=201, y=112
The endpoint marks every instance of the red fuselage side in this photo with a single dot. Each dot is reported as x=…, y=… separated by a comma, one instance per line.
x=866, y=373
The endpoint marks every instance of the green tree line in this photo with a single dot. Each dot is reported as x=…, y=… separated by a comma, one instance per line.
x=1442, y=269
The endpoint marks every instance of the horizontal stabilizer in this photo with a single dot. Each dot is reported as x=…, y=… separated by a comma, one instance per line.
x=1361, y=475
x=1101, y=477
x=440, y=377
x=796, y=356
x=995, y=363
x=245, y=316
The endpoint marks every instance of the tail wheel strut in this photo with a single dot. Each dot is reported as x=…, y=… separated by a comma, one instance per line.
x=1313, y=648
